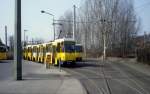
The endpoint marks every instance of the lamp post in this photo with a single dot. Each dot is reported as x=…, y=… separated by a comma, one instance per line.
x=53, y=20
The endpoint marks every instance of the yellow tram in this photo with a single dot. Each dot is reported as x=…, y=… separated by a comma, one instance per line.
x=59, y=51
x=3, y=53
x=78, y=52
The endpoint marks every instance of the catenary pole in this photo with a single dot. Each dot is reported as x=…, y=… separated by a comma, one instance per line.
x=6, y=36
x=54, y=26
x=74, y=22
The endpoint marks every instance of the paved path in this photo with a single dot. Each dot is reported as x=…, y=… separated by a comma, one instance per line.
x=37, y=80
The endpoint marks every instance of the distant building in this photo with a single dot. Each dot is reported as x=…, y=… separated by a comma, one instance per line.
x=142, y=41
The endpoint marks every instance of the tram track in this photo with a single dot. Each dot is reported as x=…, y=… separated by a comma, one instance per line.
x=91, y=79
x=103, y=76
x=135, y=81
x=100, y=90
x=118, y=80
x=106, y=81
x=100, y=79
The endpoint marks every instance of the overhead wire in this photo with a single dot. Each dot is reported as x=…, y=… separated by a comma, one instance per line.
x=102, y=20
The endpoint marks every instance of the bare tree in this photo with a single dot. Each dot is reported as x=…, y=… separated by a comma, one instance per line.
x=67, y=25
x=114, y=20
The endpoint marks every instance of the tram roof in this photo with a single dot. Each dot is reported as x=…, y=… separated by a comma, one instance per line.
x=64, y=39
x=78, y=44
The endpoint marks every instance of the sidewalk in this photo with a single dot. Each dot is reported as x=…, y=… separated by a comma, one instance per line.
x=42, y=81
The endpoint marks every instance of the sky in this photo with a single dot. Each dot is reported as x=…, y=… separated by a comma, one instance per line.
x=39, y=25
x=142, y=9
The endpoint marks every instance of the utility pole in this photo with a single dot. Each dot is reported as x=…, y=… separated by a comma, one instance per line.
x=32, y=41
x=104, y=52
x=145, y=39
x=104, y=40
x=54, y=26
x=17, y=42
x=6, y=36
x=26, y=40
x=74, y=22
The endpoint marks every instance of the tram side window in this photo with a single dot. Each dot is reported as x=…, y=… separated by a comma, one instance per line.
x=78, y=48
x=44, y=50
x=38, y=50
x=31, y=50
x=48, y=48
x=28, y=50
x=41, y=50
x=34, y=49
x=62, y=47
x=54, y=49
x=58, y=47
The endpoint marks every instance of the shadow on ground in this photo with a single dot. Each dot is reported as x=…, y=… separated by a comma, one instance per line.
x=40, y=76
x=84, y=64
x=90, y=60
x=4, y=61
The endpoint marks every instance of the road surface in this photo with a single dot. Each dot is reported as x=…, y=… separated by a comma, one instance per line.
x=100, y=77
x=96, y=76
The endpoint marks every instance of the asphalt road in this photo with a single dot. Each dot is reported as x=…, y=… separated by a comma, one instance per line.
x=100, y=77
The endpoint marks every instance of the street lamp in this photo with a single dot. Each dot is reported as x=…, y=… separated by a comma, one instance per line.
x=53, y=20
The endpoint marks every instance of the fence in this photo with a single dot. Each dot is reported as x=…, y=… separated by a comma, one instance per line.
x=143, y=55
